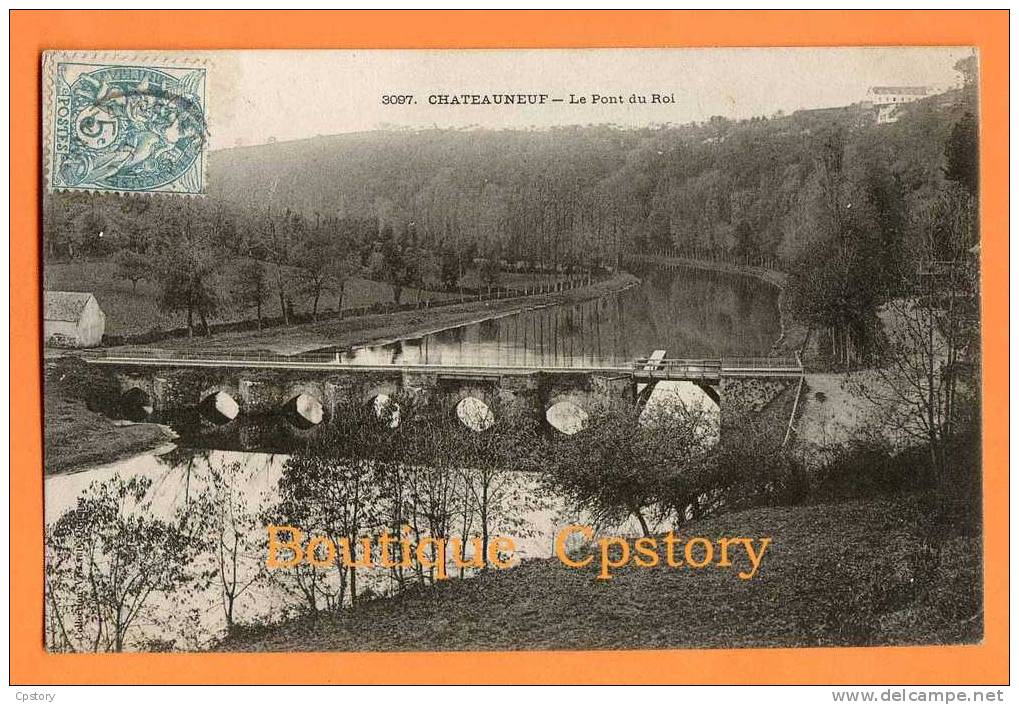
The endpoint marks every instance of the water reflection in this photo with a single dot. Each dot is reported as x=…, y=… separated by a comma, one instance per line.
x=687, y=312
x=195, y=618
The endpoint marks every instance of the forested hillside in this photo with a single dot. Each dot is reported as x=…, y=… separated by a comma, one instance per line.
x=577, y=192
x=830, y=195
x=582, y=192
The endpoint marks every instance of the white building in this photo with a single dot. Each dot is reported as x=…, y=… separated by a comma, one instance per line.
x=72, y=319
x=888, y=99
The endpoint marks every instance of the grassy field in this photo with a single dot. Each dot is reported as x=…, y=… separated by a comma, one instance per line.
x=77, y=437
x=836, y=574
x=137, y=311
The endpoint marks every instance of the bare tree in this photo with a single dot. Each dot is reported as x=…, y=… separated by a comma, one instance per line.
x=239, y=561
x=275, y=243
x=930, y=357
x=250, y=286
x=106, y=560
x=344, y=268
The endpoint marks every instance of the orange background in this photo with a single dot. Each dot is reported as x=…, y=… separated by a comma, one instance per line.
x=33, y=31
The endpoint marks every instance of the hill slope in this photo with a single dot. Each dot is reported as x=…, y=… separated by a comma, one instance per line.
x=838, y=574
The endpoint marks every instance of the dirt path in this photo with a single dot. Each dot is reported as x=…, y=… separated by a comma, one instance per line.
x=832, y=412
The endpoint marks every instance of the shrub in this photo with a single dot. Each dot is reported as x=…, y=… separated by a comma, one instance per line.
x=747, y=468
x=624, y=463
x=866, y=467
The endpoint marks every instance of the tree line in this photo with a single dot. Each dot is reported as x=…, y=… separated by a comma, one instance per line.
x=201, y=255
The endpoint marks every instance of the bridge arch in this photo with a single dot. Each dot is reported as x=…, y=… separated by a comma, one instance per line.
x=316, y=389
x=474, y=413
x=219, y=404
x=474, y=405
x=482, y=392
x=568, y=411
x=390, y=389
x=305, y=403
x=304, y=411
x=382, y=399
x=136, y=403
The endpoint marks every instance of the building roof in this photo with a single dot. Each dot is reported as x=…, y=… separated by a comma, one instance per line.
x=64, y=305
x=900, y=90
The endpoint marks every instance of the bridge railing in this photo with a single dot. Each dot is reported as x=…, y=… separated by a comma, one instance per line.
x=761, y=362
x=204, y=355
x=646, y=363
x=725, y=362
x=785, y=367
x=675, y=360
x=676, y=368
x=714, y=368
x=331, y=359
x=665, y=367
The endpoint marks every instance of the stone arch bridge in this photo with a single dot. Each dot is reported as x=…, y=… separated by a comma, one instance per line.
x=316, y=386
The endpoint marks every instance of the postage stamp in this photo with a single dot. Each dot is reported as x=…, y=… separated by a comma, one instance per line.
x=133, y=125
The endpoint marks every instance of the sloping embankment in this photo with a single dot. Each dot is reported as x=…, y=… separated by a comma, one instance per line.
x=823, y=583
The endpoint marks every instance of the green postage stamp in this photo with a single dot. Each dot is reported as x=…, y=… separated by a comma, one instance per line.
x=125, y=124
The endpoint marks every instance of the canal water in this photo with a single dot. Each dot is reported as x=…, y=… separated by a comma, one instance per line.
x=689, y=313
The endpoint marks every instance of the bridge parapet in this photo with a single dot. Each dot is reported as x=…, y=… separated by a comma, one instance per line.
x=777, y=367
x=263, y=383
x=674, y=369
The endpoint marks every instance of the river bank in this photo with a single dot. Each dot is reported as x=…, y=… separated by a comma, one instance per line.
x=77, y=437
x=385, y=327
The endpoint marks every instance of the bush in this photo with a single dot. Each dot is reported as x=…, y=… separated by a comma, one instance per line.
x=747, y=468
x=623, y=463
x=666, y=464
x=867, y=467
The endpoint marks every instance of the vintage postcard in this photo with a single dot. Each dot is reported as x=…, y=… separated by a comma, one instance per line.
x=442, y=360
x=511, y=350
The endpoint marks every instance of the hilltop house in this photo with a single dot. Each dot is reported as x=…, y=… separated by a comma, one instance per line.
x=888, y=99
x=72, y=319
